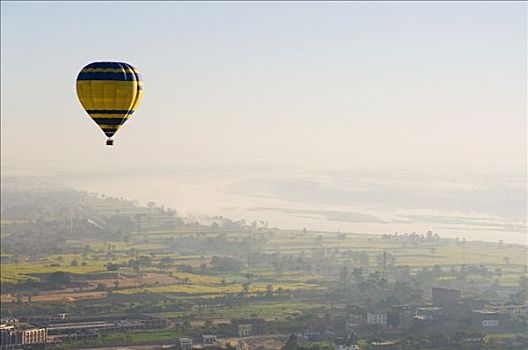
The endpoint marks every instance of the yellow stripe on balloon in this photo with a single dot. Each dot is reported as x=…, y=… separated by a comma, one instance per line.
x=108, y=95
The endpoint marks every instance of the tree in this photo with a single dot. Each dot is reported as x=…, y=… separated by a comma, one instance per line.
x=85, y=251
x=245, y=287
x=166, y=262
x=226, y=264
x=437, y=270
x=185, y=268
x=209, y=326
x=498, y=274
x=59, y=277
x=269, y=290
x=523, y=282
x=377, y=333
x=291, y=344
x=112, y=267
x=364, y=258
x=357, y=273
x=144, y=261
x=343, y=278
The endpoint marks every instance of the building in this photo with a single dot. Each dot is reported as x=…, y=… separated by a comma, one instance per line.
x=374, y=318
x=82, y=330
x=338, y=305
x=248, y=327
x=34, y=336
x=355, y=317
x=207, y=339
x=516, y=312
x=318, y=324
x=433, y=320
x=429, y=312
x=317, y=336
x=8, y=335
x=244, y=329
x=90, y=327
x=20, y=334
x=184, y=344
x=9, y=322
x=153, y=321
x=471, y=338
x=347, y=343
x=62, y=316
x=490, y=321
x=400, y=317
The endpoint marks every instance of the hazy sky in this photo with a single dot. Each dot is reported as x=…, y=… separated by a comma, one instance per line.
x=317, y=84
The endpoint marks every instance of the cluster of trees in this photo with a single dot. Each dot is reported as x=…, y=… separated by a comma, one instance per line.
x=226, y=264
x=220, y=244
x=40, y=223
x=223, y=223
x=412, y=238
x=136, y=264
x=293, y=343
x=375, y=290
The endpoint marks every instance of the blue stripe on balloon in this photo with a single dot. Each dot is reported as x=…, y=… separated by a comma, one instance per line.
x=105, y=65
x=106, y=76
x=110, y=121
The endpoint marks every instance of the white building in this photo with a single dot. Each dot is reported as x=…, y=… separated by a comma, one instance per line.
x=244, y=330
x=184, y=344
x=377, y=318
x=208, y=339
x=515, y=311
x=490, y=323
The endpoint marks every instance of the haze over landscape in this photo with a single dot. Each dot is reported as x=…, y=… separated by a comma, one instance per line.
x=345, y=116
x=297, y=175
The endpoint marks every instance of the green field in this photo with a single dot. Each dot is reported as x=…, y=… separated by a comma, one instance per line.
x=139, y=260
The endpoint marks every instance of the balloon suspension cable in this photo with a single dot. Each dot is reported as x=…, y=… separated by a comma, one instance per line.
x=109, y=142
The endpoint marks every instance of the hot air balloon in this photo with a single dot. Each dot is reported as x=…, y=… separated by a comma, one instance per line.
x=109, y=92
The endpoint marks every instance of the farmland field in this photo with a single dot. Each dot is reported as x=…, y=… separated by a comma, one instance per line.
x=111, y=257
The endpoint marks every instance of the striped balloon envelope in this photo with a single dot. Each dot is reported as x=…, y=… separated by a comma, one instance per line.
x=109, y=92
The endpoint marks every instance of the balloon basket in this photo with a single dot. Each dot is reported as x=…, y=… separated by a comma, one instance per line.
x=109, y=142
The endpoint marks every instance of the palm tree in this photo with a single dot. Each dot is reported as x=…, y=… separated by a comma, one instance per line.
x=498, y=274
